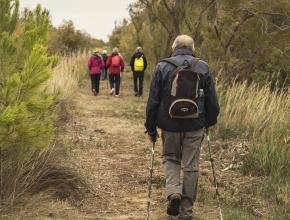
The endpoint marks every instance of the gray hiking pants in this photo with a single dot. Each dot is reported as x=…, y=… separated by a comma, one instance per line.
x=185, y=148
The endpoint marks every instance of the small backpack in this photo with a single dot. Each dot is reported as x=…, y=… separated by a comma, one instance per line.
x=116, y=60
x=185, y=89
x=139, y=64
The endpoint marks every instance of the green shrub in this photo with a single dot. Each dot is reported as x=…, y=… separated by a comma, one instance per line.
x=26, y=119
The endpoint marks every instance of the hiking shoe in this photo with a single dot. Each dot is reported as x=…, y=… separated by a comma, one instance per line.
x=173, y=204
x=94, y=92
x=116, y=95
x=112, y=91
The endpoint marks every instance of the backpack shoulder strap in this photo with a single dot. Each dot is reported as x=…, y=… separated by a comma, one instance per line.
x=194, y=62
x=171, y=61
x=137, y=58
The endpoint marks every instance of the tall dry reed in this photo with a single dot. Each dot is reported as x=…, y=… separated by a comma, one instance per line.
x=261, y=116
x=68, y=74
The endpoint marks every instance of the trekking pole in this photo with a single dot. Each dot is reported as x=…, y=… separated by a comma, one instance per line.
x=150, y=180
x=214, y=176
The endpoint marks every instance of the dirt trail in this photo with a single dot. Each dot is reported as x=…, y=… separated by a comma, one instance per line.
x=109, y=148
x=113, y=152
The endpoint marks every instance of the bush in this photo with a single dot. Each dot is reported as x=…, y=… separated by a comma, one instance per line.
x=26, y=122
x=27, y=107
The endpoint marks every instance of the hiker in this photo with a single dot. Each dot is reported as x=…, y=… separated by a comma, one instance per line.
x=115, y=65
x=95, y=66
x=104, y=70
x=182, y=102
x=138, y=65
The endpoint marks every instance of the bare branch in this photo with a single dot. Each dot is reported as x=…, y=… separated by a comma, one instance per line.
x=235, y=30
x=150, y=7
x=167, y=6
x=198, y=23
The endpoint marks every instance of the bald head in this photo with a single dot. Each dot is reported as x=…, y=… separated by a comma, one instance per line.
x=183, y=41
x=138, y=50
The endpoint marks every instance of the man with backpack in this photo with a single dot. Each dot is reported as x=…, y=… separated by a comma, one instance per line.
x=182, y=102
x=115, y=65
x=138, y=65
x=95, y=66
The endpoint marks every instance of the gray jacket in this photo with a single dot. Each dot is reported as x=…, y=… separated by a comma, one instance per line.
x=157, y=116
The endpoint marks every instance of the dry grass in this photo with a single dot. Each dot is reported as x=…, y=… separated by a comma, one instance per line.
x=40, y=172
x=253, y=111
x=68, y=74
x=260, y=115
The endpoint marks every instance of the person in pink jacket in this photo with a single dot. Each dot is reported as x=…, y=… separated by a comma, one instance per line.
x=95, y=65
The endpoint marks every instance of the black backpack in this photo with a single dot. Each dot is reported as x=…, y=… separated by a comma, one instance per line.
x=185, y=87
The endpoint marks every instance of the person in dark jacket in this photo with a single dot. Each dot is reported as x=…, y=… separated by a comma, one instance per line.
x=95, y=66
x=138, y=65
x=104, y=71
x=181, y=138
x=115, y=65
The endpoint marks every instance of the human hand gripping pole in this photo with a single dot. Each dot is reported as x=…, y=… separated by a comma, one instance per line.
x=153, y=135
x=214, y=175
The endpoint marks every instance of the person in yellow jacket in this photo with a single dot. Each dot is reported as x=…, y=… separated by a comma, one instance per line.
x=138, y=65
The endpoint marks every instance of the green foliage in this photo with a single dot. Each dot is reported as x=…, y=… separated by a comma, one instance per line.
x=35, y=27
x=26, y=118
x=66, y=39
x=9, y=13
x=243, y=39
x=8, y=55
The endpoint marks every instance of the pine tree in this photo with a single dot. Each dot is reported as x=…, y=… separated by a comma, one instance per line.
x=26, y=118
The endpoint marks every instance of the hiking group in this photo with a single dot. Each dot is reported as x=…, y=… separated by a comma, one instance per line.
x=183, y=103
x=103, y=66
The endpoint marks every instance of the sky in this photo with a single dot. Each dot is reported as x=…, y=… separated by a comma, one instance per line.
x=96, y=17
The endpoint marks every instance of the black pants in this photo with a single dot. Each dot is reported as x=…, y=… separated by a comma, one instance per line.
x=115, y=81
x=138, y=77
x=95, y=80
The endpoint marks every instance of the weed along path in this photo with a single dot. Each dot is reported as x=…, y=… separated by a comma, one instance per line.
x=108, y=147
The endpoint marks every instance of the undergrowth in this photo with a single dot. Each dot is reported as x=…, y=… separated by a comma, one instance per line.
x=260, y=115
